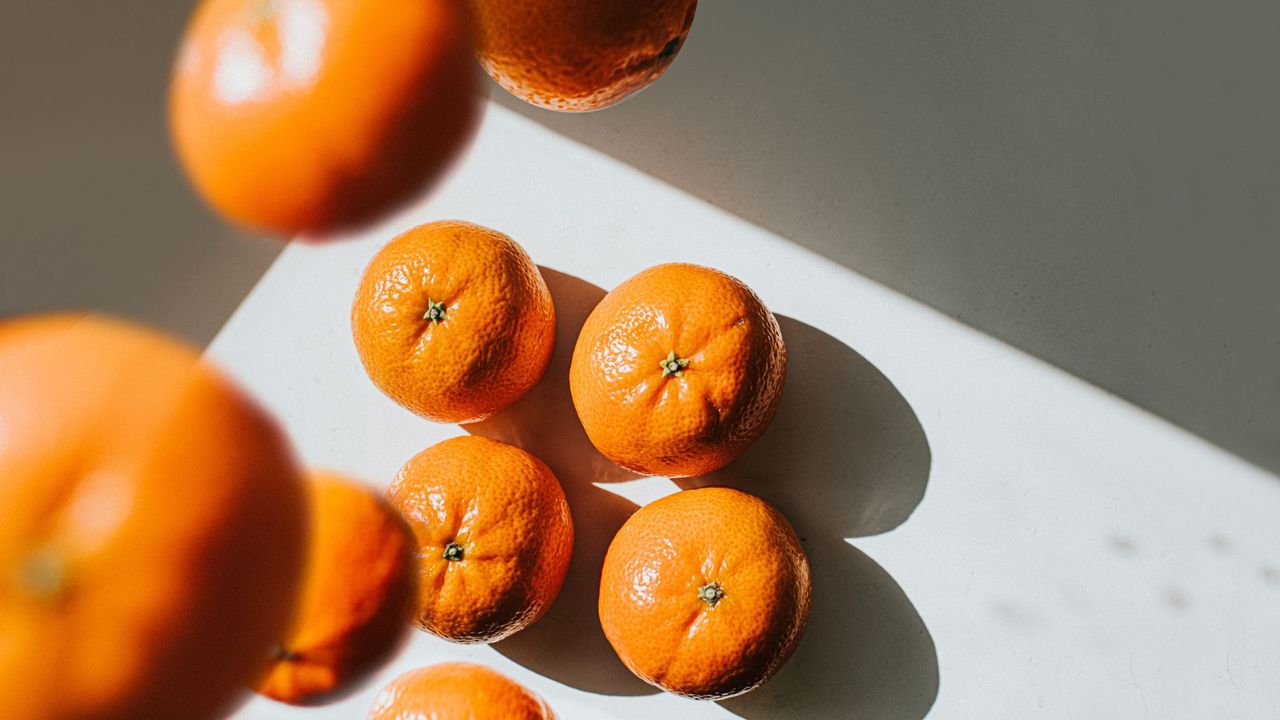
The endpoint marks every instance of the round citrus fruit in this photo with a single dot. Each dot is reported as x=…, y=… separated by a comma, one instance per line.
x=705, y=593
x=494, y=537
x=314, y=115
x=578, y=55
x=356, y=595
x=152, y=526
x=453, y=321
x=457, y=691
x=677, y=371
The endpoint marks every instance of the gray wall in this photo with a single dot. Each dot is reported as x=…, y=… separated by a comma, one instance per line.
x=1097, y=183
x=93, y=210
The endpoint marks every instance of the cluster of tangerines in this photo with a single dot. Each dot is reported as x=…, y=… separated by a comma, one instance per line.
x=676, y=372
x=160, y=548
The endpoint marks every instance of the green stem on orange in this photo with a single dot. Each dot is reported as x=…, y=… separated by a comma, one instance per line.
x=711, y=593
x=673, y=365
x=43, y=574
x=453, y=552
x=435, y=312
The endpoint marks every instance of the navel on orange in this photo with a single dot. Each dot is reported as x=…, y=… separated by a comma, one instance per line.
x=579, y=55
x=312, y=115
x=458, y=691
x=677, y=371
x=453, y=321
x=152, y=526
x=494, y=537
x=705, y=593
x=357, y=591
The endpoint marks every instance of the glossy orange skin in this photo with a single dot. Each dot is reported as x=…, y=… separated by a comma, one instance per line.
x=579, y=55
x=659, y=562
x=507, y=512
x=494, y=342
x=457, y=691
x=356, y=595
x=152, y=526
x=312, y=115
x=720, y=403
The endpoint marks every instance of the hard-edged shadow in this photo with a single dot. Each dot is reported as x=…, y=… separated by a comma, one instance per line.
x=568, y=645
x=845, y=457
x=1049, y=173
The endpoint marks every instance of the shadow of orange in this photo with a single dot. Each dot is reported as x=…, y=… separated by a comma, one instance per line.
x=568, y=645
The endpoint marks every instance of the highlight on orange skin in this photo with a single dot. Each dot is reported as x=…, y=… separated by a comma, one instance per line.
x=357, y=591
x=294, y=116
x=152, y=526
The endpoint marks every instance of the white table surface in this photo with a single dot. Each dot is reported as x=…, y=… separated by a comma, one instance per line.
x=990, y=537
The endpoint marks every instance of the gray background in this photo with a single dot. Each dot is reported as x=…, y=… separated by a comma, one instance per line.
x=1097, y=183
x=95, y=213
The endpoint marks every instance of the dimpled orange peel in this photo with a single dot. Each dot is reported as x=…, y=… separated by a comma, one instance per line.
x=453, y=321
x=678, y=371
x=705, y=593
x=457, y=691
x=494, y=537
x=579, y=55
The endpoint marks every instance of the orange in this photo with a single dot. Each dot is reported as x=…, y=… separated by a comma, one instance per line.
x=677, y=371
x=457, y=691
x=579, y=55
x=314, y=115
x=453, y=321
x=494, y=537
x=356, y=595
x=152, y=526
x=705, y=593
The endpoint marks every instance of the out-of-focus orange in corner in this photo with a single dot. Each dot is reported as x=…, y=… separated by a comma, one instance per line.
x=494, y=537
x=705, y=593
x=677, y=371
x=457, y=691
x=152, y=526
x=297, y=116
x=356, y=595
x=579, y=55
x=453, y=321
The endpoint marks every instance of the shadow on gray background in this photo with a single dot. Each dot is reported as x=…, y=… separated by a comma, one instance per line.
x=1096, y=183
x=846, y=456
x=95, y=212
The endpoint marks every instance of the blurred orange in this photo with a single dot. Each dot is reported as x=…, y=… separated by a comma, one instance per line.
x=355, y=599
x=152, y=526
x=310, y=115
x=578, y=55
